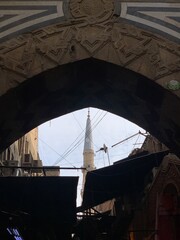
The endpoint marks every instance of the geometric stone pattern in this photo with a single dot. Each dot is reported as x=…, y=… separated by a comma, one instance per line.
x=21, y=16
x=17, y=17
x=163, y=18
x=119, y=43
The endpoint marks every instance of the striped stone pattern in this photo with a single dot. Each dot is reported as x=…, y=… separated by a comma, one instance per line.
x=17, y=17
x=162, y=18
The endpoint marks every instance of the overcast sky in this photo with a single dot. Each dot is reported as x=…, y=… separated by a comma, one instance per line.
x=61, y=140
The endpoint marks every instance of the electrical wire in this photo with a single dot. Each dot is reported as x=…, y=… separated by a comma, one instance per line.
x=71, y=145
x=82, y=139
x=55, y=151
x=136, y=142
x=77, y=121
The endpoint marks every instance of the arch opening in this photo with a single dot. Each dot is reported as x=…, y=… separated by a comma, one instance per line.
x=94, y=83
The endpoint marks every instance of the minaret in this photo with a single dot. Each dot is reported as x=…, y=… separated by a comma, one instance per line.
x=88, y=153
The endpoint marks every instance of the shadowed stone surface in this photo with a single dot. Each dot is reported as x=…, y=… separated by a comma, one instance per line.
x=92, y=83
x=132, y=65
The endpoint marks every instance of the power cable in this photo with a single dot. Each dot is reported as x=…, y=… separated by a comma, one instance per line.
x=81, y=140
x=77, y=121
x=69, y=149
x=55, y=151
x=136, y=142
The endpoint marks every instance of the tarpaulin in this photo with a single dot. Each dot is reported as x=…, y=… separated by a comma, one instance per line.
x=113, y=181
x=39, y=200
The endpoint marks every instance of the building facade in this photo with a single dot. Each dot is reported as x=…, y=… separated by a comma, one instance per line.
x=22, y=153
x=158, y=215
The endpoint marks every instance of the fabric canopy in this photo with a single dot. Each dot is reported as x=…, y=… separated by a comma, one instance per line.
x=123, y=177
x=39, y=200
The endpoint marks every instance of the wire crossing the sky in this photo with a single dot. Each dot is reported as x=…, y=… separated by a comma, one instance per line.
x=79, y=142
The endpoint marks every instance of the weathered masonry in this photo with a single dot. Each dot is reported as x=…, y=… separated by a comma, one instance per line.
x=60, y=56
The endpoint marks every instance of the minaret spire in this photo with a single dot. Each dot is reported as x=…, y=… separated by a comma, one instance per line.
x=88, y=153
x=88, y=142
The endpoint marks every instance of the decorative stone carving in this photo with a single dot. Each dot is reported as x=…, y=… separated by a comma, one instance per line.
x=92, y=38
x=94, y=11
x=119, y=43
x=22, y=16
x=159, y=17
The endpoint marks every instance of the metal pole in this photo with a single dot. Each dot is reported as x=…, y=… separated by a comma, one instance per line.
x=157, y=216
x=126, y=139
x=108, y=157
x=43, y=168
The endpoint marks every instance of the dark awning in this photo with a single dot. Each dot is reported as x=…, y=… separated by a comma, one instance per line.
x=113, y=181
x=38, y=200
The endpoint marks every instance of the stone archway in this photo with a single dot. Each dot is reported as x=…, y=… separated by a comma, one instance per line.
x=140, y=36
x=120, y=43
x=54, y=38
x=95, y=83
